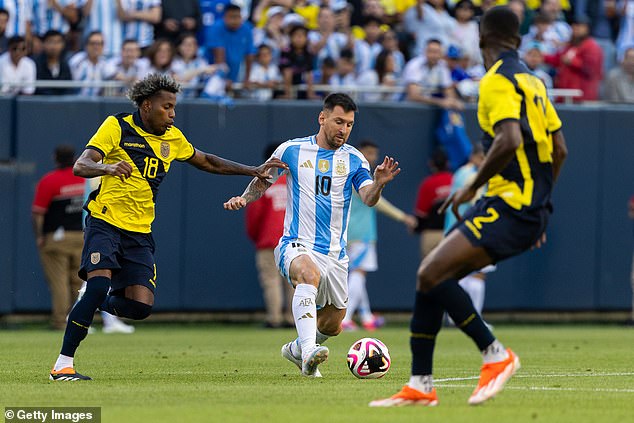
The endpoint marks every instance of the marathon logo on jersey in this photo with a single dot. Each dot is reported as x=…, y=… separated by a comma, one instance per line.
x=323, y=165
x=134, y=144
x=165, y=150
x=95, y=258
x=340, y=168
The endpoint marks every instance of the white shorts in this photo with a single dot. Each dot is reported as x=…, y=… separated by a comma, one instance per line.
x=333, y=283
x=362, y=256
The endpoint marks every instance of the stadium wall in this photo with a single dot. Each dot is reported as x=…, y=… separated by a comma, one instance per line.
x=206, y=263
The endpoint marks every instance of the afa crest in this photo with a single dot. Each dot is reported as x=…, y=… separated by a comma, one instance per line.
x=323, y=165
x=340, y=168
x=165, y=149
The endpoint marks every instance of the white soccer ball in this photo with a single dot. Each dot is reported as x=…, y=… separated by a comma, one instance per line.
x=369, y=358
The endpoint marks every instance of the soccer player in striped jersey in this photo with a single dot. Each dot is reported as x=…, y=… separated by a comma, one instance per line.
x=322, y=170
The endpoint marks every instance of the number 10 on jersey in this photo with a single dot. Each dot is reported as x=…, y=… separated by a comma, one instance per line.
x=322, y=185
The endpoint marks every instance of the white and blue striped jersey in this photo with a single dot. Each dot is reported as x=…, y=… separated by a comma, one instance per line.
x=141, y=31
x=103, y=17
x=319, y=188
x=46, y=18
x=20, y=13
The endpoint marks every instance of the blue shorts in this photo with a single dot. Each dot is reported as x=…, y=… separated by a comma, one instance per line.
x=501, y=230
x=129, y=255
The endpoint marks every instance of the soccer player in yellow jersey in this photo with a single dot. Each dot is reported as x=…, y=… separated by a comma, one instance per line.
x=525, y=151
x=132, y=153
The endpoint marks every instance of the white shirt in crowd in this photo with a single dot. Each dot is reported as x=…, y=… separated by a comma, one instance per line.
x=432, y=80
x=24, y=72
x=261, y=74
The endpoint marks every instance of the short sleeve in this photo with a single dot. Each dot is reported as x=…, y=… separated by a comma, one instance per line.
x=278, y=154
x=498, y=100
x=362, y=176
x=43, y=197
x=186, y=150
x=106, y=137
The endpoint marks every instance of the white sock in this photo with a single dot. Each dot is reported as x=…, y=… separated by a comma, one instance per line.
x=305, y=314
x=356, y=286
x=475, y=288
x=423, y=383
x=62, y=362
x=365, y=312
x=321, y=338
x=108, y=319
x=494, y=353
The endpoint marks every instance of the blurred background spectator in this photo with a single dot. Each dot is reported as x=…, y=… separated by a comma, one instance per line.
x=619, y=85
x=51, y=65
x=127, y=67
x=138, y=18
x=265, y=75
x=89, y=64
x=297, y=64
x=102, y=16
x=178, y=17
x=16, y=67
x=4, y=39
x=429, y=19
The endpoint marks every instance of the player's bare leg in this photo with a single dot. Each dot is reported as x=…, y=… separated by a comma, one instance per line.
x=438, y=290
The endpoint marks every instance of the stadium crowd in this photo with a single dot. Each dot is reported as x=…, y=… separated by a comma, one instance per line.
x=267, y=49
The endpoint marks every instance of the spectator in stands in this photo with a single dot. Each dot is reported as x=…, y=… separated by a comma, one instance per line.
x=370, y=46
x=466, y=34
x=296, y=64
x=265, y=224
x=211, y=11
x=102, y=16
x=580, y=64
x=160, y=56
x=625, y=10
x=558, y=32
x=323, y=74
x=345, y=74
x=389, y=41
x=51, y=65
x=428, y=19
x=58, y=15
x=428, y=80
x=343, y=12
x=523, y=13
x=20, y=19
x=432, y=192
x=138, y=18
x=189, y=68
x=325, y=42
x=89, y=64
x=541, y=32
x=272, y=34
x=619, y=85
x=230, y=41
x=4, y=40
x=127, y=67
x=265, y=75
x=178, y=16
x=309, y=11
x=382, y=75
x=17, y=68
x=534, y=60
x=462, y=82
x=57, y=217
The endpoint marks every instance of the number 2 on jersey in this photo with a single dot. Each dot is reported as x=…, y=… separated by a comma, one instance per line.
x=322, y=185
x=151, y=167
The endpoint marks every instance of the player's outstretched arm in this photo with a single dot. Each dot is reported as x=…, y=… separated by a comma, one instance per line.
x=254, y=190
x=508, y=138
x=560, y=152
x=214, y=164
x=383, y=174
x=89, y=165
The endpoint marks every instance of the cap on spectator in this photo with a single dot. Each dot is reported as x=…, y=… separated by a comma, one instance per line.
x=339, y=5
x=275, y=10
x=580, y=19
x=293, y=19
x=453, y=52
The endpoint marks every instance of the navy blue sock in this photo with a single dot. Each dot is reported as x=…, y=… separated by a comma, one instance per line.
x=80, y=317
x=125, y=307
x=425, y=325
x=457, y=302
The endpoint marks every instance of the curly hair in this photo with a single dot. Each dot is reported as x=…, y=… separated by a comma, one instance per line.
x=150, y=86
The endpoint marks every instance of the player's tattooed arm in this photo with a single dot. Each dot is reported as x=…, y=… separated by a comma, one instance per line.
x=214, y=164
x=254, y=190
x=89, y=165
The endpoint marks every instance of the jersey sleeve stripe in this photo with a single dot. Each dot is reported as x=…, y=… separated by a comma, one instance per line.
x=97, y=149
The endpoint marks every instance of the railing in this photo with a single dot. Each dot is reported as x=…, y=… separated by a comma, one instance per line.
x=115, y=88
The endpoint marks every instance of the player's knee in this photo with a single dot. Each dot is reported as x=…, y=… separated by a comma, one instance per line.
x=425, y=280
x=139, y=311
x=310, y=276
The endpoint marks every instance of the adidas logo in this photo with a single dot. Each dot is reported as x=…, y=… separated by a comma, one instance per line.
x=307, y=164
x=306, y=316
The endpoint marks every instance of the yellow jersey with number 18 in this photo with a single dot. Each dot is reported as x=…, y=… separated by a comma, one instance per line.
x=129, y=204
x=509, y=91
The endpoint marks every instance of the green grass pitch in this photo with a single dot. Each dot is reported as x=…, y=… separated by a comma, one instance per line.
x=234, y=373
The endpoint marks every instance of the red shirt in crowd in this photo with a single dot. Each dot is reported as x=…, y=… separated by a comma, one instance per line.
x=584, y=71
x=265, y=217
x=432, y=192
x=59, y=196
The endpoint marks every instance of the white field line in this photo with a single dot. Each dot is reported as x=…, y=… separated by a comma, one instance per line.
x=458, y=379
x=548, y=388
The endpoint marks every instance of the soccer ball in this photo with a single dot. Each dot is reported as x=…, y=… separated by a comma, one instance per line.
x=368, y=358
